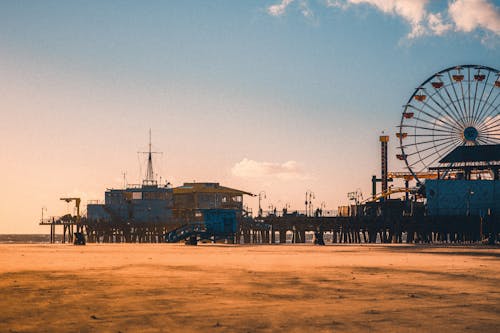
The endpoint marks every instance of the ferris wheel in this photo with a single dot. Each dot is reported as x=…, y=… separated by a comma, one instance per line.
x=457, y=106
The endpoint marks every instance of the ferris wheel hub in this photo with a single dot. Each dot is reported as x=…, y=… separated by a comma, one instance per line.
x=470, y=133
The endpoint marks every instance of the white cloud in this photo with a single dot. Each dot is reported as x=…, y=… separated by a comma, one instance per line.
x=468, y=15
x=279, y=9
x=412, y=11
x=490, y=40
x=436, y=24
x=305, y=10
x=290, y=170
x=337, y=3
x=459, y=15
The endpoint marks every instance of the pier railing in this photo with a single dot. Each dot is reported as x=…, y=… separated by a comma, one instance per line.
x=314, y=213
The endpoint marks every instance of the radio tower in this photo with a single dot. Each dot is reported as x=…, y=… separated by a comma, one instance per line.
x=150, y=176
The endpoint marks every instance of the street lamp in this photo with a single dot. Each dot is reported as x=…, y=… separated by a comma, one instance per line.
x=285, y=208
x=272, y=209
x=261, y=194
x=355, y=196
x=43, y=209
x=309, y=197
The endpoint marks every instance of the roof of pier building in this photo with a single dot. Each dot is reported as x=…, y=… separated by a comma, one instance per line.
x=480, y=153
x=187, y=188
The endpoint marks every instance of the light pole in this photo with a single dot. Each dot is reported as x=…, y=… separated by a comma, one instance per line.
x=321, y=207
x=271, y=209
x=43, y=209
x=285, y=208
x=261, y=194
x=306, y=202
x=309, y=197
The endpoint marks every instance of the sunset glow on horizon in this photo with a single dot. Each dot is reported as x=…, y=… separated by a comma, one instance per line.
x=275, y=96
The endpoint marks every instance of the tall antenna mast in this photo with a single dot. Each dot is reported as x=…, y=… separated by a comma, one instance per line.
x=150, y=176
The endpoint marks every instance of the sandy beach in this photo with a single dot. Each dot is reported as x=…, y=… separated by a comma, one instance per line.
x=220, y=288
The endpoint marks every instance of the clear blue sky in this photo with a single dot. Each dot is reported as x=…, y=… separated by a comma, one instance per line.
x=218, y=82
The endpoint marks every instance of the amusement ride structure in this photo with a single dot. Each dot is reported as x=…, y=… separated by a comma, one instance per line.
x=455, y=107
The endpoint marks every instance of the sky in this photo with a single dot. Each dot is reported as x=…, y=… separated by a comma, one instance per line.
x=277, y=96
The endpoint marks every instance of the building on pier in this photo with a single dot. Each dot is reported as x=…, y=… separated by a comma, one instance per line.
x=141, y=203
x=144, y=203
x=469, y=185
x=190, y=198
x=151, y=202
x=147, y=211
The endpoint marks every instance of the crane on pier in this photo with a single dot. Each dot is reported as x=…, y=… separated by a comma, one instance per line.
x=77, y=205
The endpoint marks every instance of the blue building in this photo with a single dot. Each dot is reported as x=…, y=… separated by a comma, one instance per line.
x=135, y=204
x=469, y=185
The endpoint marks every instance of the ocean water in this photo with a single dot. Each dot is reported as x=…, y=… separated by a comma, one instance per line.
x=27, y=239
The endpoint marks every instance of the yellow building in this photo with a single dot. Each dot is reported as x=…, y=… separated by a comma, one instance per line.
x=192, y=197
